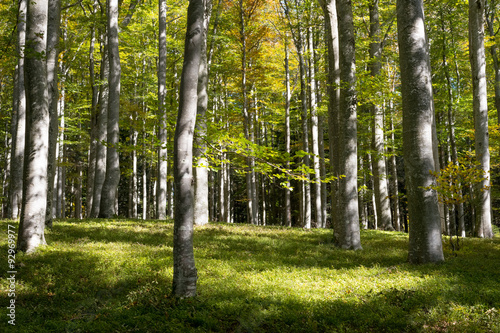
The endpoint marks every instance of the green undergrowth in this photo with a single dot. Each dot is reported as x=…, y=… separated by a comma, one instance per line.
x=116, y=276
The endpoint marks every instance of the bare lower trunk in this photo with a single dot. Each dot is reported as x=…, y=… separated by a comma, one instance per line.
x=18, y=140
x=349, y=233
x=201, y=170
x=185, y=275
x=425, y=231
x=54, y=19
x=480, y=105
x=32, y=224
x=330, y=12
x=161, y=195
x=110, y=186
x=102, y=130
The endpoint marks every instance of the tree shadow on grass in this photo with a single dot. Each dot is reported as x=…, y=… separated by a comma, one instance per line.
x=133, y=232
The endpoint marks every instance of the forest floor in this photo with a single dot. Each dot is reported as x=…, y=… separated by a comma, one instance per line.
x=116, y=276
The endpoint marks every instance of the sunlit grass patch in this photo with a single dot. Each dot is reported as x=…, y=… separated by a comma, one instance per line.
x=105, y=276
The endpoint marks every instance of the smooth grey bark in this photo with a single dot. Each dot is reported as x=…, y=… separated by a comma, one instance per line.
x=161, y=193
x=133, y=190
x=102, y=130
x=32, y=222
x=333, y=91
x=110, y=186
x=93, y=119
x=480, y=106
x=252, y=203
x=393, y=180
x=425, y=230
x=349, y=233
x=299, y=43
x=53, y=28
x=185, y=275
x=382, y=200
x=288, y=203
x=62, y=149
x=19, y=117
x=490, y=18
x=201, y=168
x=318, y=204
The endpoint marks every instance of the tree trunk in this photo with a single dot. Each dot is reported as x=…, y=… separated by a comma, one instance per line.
x=490, y=17
x=425, y=230
x=201, y=169
x=480, y=105
x=348, y=185
x=93, y=120
x=34, y=202
x=393, y=181
x=18, y=140
x=288, y=205
x=185, y=275
x=331, y=27
x=110, y=186
x=315, y=134
x=161, y=194
x=383, y=211
x=306, y=184
x=53, y=28
x=102, y=130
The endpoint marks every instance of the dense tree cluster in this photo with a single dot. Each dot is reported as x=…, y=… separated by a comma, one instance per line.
x=329, y=113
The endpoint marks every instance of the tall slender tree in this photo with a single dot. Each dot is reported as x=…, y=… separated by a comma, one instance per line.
x=383, y=212
x=185, y=274
x=480, y=106
x=161, y=187
x=333, y=91
x=53, y=28
x=32, y=224
x=19, y=119
x=349, y=233
x=201, y=170
x=110, y=186
x=425, y=231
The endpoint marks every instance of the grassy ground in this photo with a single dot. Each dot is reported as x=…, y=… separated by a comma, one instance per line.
x=115, y=276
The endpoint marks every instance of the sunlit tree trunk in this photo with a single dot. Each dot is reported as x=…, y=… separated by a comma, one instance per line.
x=32, y=223
x=348, y=185
x=315, y=134
x=161, y=194
x=93, y=120
x=110, y=186
x=185, y=275
x=379, y=168
x=201, y=169
x=490, y=18
x=288, y=204
x=102, y=130
x=393, y=181
x=480, y=105
x=425, y=231
x=53, y=28
x=331, y=27
x=19, y=120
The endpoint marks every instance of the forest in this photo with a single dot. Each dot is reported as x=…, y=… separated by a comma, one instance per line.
x=353, y=122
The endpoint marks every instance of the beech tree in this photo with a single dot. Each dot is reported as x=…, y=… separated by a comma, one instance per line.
x=480, y=105
x=185, y=275
x=348, y=233
x=161, y=195
x=110, y=185
x=19, y=119
x=425, y=231
x=201, y=169
x=32, y=223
